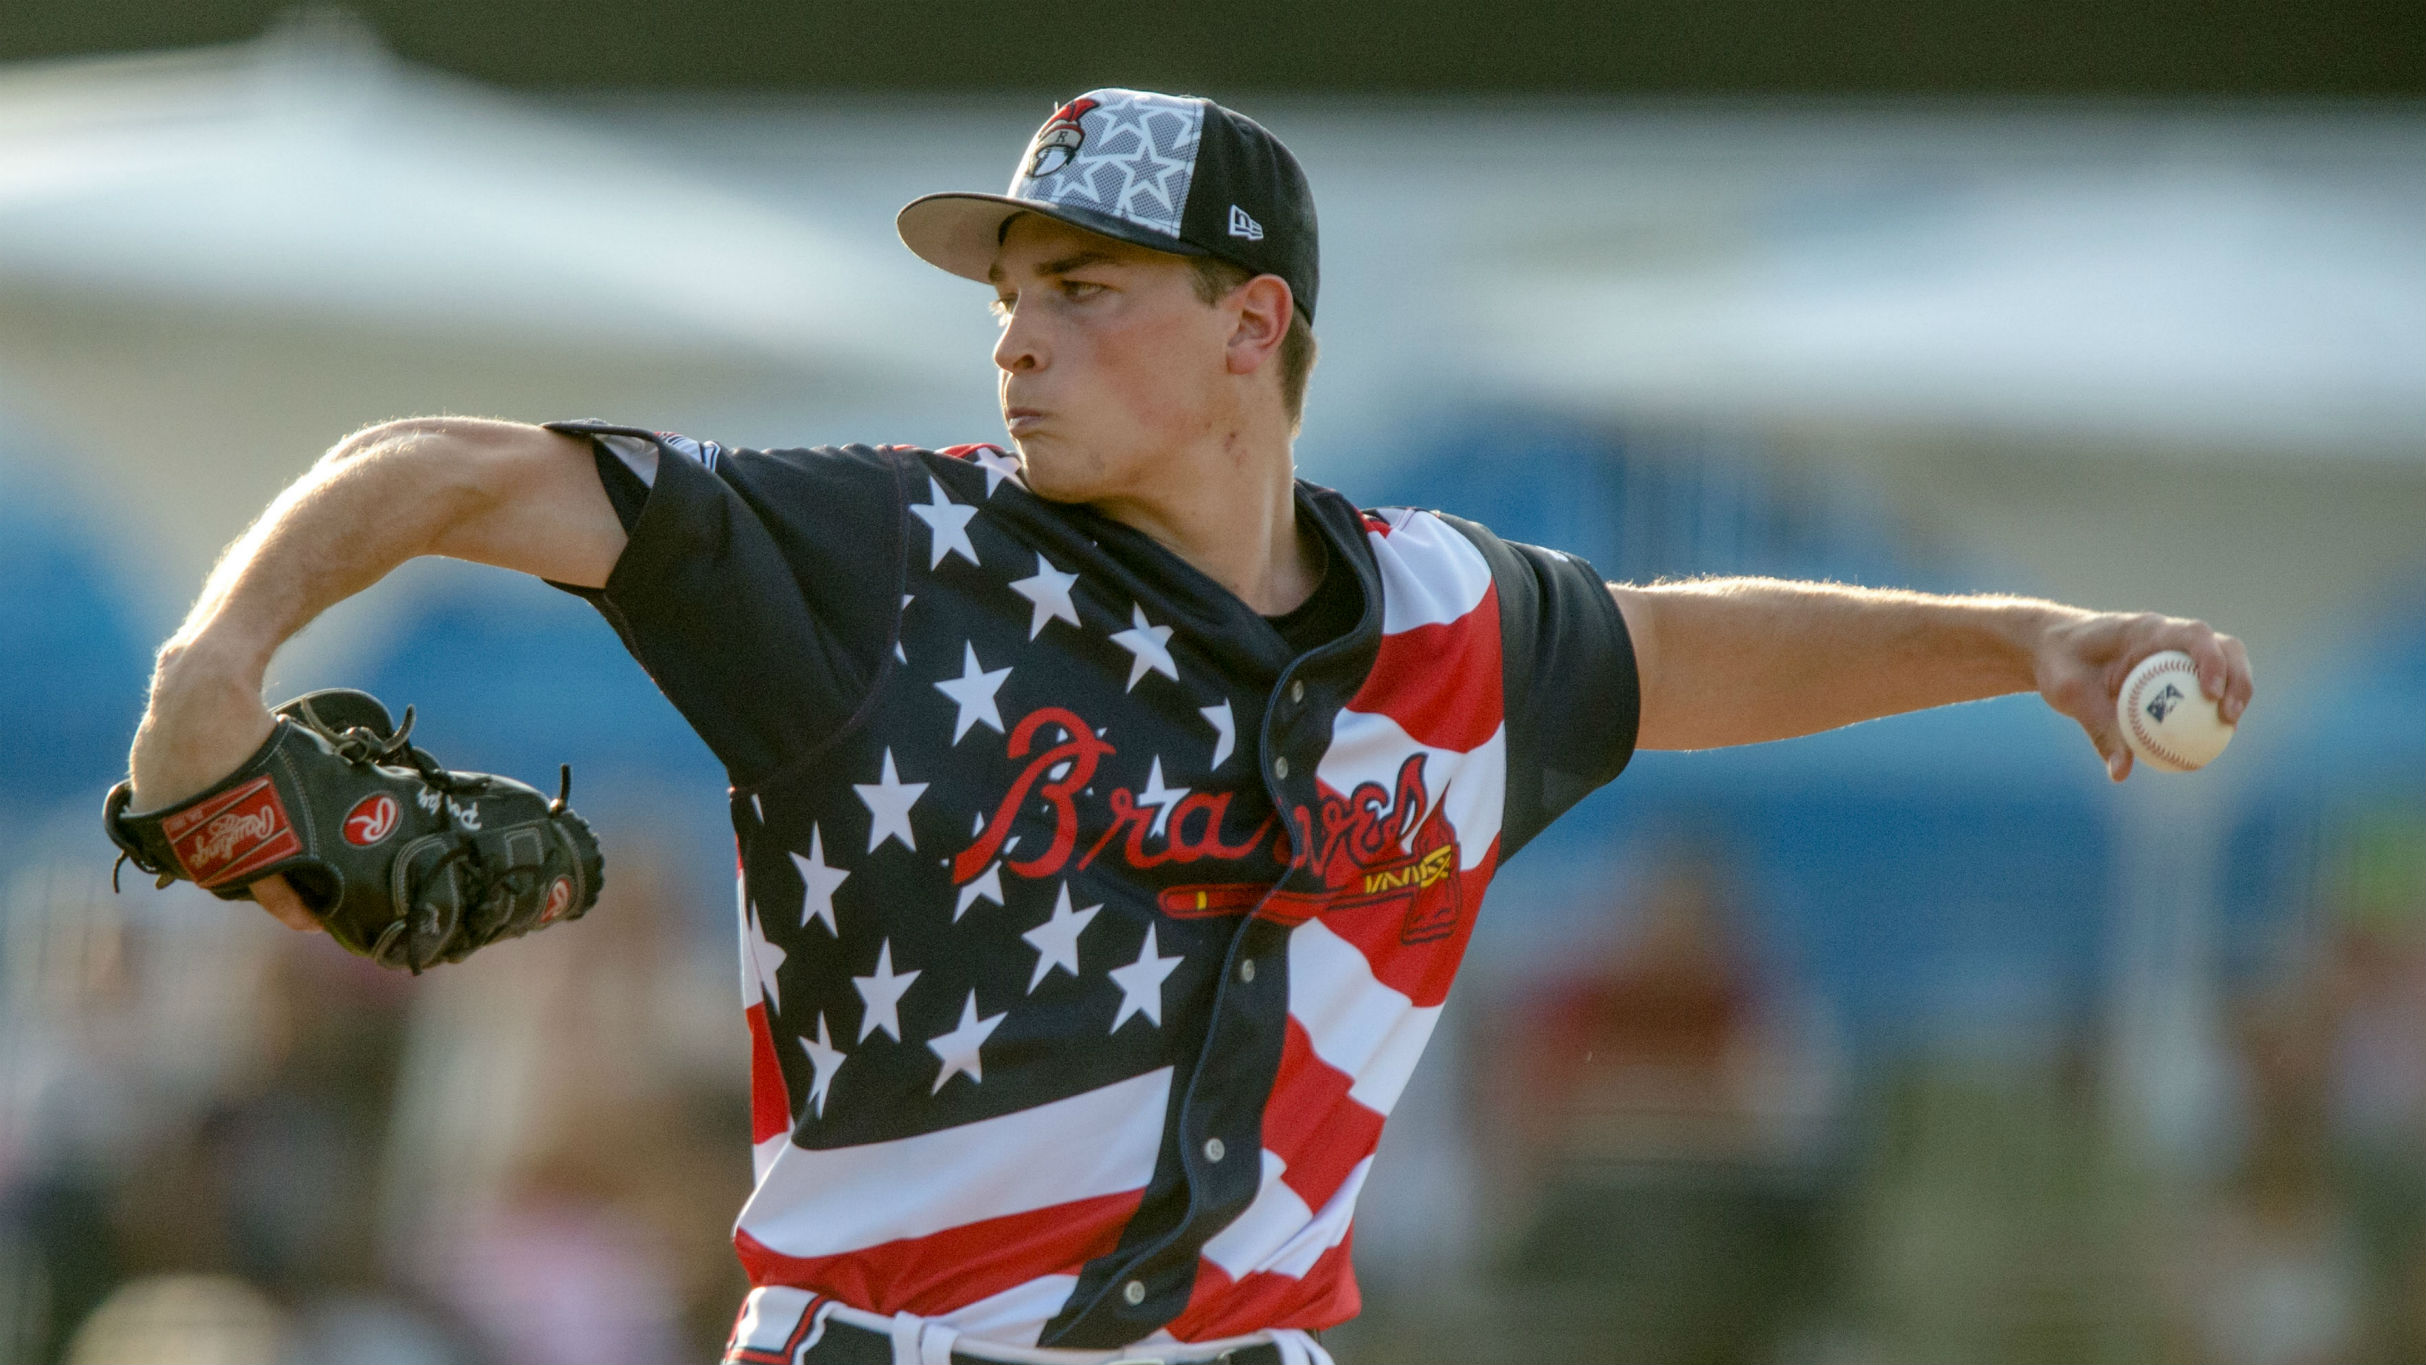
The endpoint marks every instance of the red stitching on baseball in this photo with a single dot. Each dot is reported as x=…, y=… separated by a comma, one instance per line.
x=2139, y=729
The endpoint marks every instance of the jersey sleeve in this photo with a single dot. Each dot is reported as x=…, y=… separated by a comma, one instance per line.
x=1574, y=697
x=759, y=589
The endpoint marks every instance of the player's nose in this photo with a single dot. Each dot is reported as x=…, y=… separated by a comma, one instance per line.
x=1018, y=348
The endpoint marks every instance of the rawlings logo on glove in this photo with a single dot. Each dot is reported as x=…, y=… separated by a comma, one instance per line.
x=403, y=861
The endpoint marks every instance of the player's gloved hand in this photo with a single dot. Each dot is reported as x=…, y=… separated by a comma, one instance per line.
x=2081, y=662
x=400, y=860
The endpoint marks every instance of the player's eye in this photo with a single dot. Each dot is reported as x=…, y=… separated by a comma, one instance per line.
x=1001, y=309
x=1080, y=289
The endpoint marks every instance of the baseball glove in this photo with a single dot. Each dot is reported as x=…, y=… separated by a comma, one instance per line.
x=403, y=862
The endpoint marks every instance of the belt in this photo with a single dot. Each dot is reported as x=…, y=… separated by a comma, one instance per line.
x=843, y=1341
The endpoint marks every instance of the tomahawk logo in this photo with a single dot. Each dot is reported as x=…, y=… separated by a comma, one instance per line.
x=1057, y=143
x=1243, y=226
x=2162, y=704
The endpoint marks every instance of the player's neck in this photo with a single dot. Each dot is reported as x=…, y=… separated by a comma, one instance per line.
x=1229, y=508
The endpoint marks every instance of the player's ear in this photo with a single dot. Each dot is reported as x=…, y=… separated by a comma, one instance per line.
x=1264, y=309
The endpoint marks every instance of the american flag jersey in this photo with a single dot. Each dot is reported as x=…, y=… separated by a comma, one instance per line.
x=1089, y=932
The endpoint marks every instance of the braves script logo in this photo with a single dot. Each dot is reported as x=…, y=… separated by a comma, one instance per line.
x=372, y=819
x=234, y=833
x=1057, y=143
x=1375, y=844
x=2161, y=705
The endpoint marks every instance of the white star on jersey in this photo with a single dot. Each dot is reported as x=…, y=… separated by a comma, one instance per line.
x=1160, y=797
x=1141, y=984
x=973, y=692
x=947, y=525
x=998, y=466
x=882, y=993
x=986, y=885
x=1225, y=730
x=889, y=800
x=819, y=883
x=1056, y=940
x=765, y=957
x=1150, y=644
x=958, y=1050
x=824, y=1060
x=1049, y=590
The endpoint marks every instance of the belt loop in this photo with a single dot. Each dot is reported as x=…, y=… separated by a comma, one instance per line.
x=935, y=1343
x=905, y=1340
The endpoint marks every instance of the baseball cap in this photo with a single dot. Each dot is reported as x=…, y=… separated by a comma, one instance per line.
x=1171, y=172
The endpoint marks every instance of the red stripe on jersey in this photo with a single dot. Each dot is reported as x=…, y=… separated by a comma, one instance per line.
x=1440, y=682
x=956, y=1267
x=770, y=1102
x=1311, y=1124
x=1419, y=971
x=1221, y=1307
x=964, y=452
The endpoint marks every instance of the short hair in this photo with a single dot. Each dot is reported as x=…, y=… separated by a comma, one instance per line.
x=1215, y=278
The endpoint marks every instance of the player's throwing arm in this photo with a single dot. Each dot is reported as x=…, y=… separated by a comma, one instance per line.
x=1744, y=660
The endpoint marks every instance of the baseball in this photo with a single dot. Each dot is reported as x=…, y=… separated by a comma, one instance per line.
x=2166, y=719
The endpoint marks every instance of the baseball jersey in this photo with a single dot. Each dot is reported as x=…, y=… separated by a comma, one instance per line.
x=1092, y=923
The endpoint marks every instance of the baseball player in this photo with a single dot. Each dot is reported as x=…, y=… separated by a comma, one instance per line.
x=1113, y=808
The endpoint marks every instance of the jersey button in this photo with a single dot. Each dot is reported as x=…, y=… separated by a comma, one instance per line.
x=1246, y=970
x=1280, y=767
x=1134, y=1291
x=1297, y=690
x=1214, y=1151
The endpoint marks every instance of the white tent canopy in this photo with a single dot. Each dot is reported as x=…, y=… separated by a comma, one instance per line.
x=310, y=173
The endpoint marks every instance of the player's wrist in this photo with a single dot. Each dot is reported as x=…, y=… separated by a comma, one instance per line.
x=204, y=718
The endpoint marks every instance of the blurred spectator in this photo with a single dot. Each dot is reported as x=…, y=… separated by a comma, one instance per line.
x=2275, y=1271
x=1668, y=1113
x=181, y=1320
x=572, y=1142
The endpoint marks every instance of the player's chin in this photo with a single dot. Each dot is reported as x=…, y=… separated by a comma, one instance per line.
x=1057, y=473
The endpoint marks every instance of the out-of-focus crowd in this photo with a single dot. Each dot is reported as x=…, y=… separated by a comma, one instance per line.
x=224, y=1141
x=220, y=1141
x=1681, y=1161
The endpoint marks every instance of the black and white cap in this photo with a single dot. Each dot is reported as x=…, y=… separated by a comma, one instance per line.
x=1163, y=171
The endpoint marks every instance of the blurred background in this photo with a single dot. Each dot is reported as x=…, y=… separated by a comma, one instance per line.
x=1914, y=1042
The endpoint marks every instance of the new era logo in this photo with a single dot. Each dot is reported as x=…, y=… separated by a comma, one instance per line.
x=1243, y=226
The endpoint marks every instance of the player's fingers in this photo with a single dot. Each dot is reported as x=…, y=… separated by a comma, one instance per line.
x=2241, y=685
x=281, y=901
x=2110, y=747
x=2091, y=705
x=2215, y=669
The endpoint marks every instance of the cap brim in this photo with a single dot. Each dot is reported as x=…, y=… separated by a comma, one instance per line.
x=961, y=232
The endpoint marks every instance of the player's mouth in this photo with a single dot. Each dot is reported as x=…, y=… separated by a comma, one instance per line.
x=1018, y=420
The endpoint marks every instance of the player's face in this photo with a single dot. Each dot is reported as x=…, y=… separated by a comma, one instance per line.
x=1111, y=365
